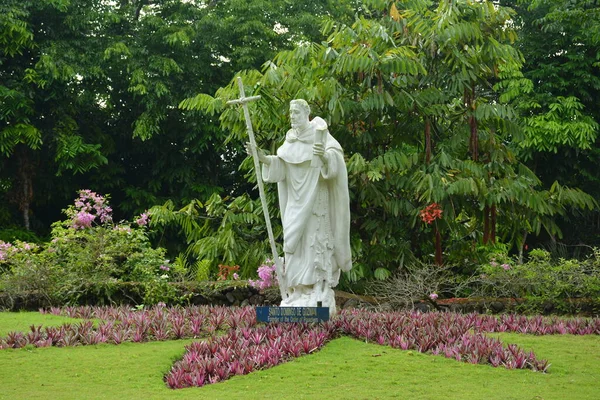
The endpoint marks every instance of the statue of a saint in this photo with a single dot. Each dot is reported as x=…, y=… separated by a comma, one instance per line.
x=312, y=182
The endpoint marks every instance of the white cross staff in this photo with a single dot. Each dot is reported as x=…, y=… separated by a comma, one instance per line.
x=243, y=100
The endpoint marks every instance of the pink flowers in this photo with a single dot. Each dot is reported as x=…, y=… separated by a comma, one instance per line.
x=266, y=276
x=83, y=219
x=88, y=207
x=5, y=249
x=504, y=266
x=122, y=228
x=142, y=220
x=433, y=296
x=8, y=249
x=165, y=267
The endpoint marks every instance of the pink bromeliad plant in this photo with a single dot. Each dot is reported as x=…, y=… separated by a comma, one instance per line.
x=244, y=350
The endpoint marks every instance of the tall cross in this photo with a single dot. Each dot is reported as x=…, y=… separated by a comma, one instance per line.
x=243, y=100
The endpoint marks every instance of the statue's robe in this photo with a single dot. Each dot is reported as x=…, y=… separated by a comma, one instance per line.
x=315, y=209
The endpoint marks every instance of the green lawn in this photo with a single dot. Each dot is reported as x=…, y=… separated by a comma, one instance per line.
x=344, y=369
x=21, y=321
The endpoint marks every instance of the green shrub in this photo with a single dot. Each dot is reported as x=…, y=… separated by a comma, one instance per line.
x=561, y=285
x=86, y=259
x=202, y=268
x=16, y=233
x=31, y=270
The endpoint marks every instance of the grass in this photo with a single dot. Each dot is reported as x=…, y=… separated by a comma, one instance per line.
x=21, y=321
x=345, y=369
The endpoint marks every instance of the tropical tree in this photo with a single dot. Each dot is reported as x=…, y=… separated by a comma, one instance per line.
x=44, y=109
x=558, y=99
x=90, y=91
x=410, y=93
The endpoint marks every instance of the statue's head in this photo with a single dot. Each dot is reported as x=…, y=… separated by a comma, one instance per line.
x=299, y=112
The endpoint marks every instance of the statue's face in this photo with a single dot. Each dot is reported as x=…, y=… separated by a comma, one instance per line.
x=298, y=116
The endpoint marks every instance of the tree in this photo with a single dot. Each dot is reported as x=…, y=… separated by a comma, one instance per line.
x=560, y=43
x=90, y=92
x=40, y=91
x=410, y=95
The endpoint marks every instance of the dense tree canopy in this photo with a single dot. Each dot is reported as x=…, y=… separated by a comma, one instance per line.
x=560, y=41
x=487, y=109
x=90, y=91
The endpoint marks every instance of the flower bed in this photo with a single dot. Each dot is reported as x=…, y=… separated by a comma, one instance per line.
x=236, y=344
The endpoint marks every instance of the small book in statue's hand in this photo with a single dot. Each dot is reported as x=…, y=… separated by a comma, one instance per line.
x=321, y=138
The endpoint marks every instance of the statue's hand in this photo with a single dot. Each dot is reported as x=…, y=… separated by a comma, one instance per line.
x=262, y=156
x=319, y=150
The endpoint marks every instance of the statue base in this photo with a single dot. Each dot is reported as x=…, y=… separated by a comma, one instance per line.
x=310, y=297
x=292, y=314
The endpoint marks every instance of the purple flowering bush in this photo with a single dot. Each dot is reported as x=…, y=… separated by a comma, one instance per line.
x=27, y=268
x=89, y=208
x=88, y=255
x=11, y=251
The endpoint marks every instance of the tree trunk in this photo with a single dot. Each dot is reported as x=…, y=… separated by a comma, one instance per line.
x=25, y=204
x=474, y=139
x=438, y=247
x=493, y=224
x=469, y=99
x=521, y=247
x=427, y=141
x=23, y=191
x=486, y=225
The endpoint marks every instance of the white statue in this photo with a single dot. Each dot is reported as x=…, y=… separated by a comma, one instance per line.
x=312, y=182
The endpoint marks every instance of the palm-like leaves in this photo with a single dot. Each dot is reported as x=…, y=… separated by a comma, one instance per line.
x=414, y=96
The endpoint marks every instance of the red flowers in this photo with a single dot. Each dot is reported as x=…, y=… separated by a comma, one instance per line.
x=431, y=213
x=226, y=271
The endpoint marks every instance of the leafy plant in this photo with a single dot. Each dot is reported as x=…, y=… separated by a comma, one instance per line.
x=545, y=283
x=419, y=99
x=221, y=231
x=87, y=256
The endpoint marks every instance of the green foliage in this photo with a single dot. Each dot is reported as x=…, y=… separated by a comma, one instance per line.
x=546, y=284
x=202, y=268
x=88, y=84
x=432, y=102
x=183, y=270
x=14, y=234
x=158, y=290
x=220, y=231
x=84, y=264
x=32, y=271
x=560, y=42
x=562, y=125
x=419, y=98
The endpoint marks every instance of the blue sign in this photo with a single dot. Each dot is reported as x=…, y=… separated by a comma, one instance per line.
x=292, y=314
